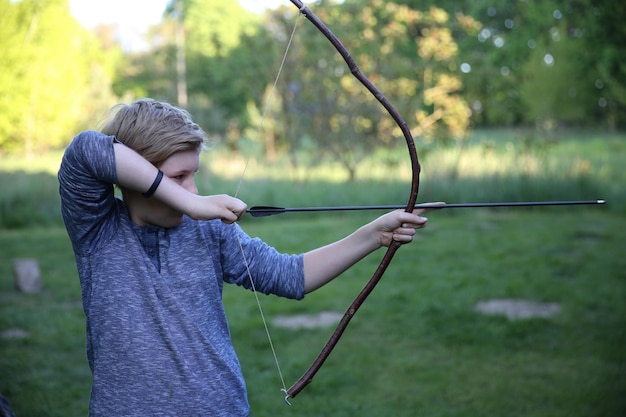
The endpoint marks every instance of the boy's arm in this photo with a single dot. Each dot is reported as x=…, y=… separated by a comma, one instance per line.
x=86, y=177
x=137, y=174
x=324, y=264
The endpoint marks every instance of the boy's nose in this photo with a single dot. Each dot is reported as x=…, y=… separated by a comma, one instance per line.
x=192, y=187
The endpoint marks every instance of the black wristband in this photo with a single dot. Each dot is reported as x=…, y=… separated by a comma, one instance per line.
x=154, y=185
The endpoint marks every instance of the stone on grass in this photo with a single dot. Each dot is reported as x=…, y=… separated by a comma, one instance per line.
x=27, y=275
x=515, y=309
x=13, y=333
x=308, y=321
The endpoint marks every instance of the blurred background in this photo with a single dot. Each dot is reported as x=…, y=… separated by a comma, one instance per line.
x=507, y=100
x=449, y=66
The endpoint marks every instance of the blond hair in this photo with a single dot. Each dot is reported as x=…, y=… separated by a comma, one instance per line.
x=156, y=130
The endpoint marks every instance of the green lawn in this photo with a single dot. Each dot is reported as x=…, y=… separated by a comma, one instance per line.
x=417, y=347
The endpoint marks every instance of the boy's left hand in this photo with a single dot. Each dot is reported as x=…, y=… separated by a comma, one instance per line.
x=400, y=226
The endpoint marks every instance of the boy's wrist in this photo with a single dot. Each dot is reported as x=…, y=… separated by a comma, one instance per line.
x=155, y=185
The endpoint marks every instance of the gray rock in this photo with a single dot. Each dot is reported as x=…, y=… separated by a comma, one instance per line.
x=27, y=276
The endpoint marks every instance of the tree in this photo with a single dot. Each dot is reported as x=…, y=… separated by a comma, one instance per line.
x=50, y=65
x=506, y=78
x=606, y=40
x=553, y=90
x=225, y=52
x=407, y=52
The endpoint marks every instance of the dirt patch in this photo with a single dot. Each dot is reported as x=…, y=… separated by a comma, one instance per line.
x=14, y=333
x=518, y=309
x=511, y=308
x=308, y=321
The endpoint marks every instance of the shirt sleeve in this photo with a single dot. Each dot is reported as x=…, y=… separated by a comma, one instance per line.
x=272, y=272
x=86, y=185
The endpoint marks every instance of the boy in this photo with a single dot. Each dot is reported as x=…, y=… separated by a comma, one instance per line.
x=152, y=265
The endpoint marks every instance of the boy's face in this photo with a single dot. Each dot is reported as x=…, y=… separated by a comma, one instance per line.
x=181, y=168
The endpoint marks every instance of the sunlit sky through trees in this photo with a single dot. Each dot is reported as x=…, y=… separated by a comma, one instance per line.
x=134, y=17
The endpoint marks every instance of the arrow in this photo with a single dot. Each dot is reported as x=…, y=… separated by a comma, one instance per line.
x=264, y=211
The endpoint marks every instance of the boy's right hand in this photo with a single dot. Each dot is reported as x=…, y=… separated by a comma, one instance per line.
x=221, y=206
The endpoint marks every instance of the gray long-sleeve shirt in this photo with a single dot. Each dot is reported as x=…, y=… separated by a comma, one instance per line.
x=158, y=342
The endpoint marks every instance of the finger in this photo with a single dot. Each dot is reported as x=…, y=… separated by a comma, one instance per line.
x=238, y=208
x=413, y=221
x=240, y=214
x=403, y=237
x=418, y=224
x=406, y=217
x=229, y=217
x=405, y=231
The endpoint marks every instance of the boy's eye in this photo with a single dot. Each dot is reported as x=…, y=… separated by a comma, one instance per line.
x=183, y=176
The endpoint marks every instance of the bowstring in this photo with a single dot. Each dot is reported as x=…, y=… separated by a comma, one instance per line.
x=241, y=178
x=268, y=104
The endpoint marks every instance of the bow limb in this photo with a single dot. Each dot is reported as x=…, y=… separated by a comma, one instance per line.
x=307, y=377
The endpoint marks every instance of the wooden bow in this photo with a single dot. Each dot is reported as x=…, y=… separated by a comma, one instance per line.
x=307, y=377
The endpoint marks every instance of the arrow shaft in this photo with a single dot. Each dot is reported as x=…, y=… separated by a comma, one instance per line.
x=261, y=211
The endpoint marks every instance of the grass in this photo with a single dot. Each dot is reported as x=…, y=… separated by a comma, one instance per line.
x=494, y=165
x=417, y=347
x=43, y=374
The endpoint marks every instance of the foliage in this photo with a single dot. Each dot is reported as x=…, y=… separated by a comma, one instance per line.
x=508, y=81
x=392, y=45
x=609, y=59
x=550, y=91
x=337, y=116
x=431, y=60
x=531, y=63
x=54, y=76
x=223, y=65
x=494, y=165
x=223, y=41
